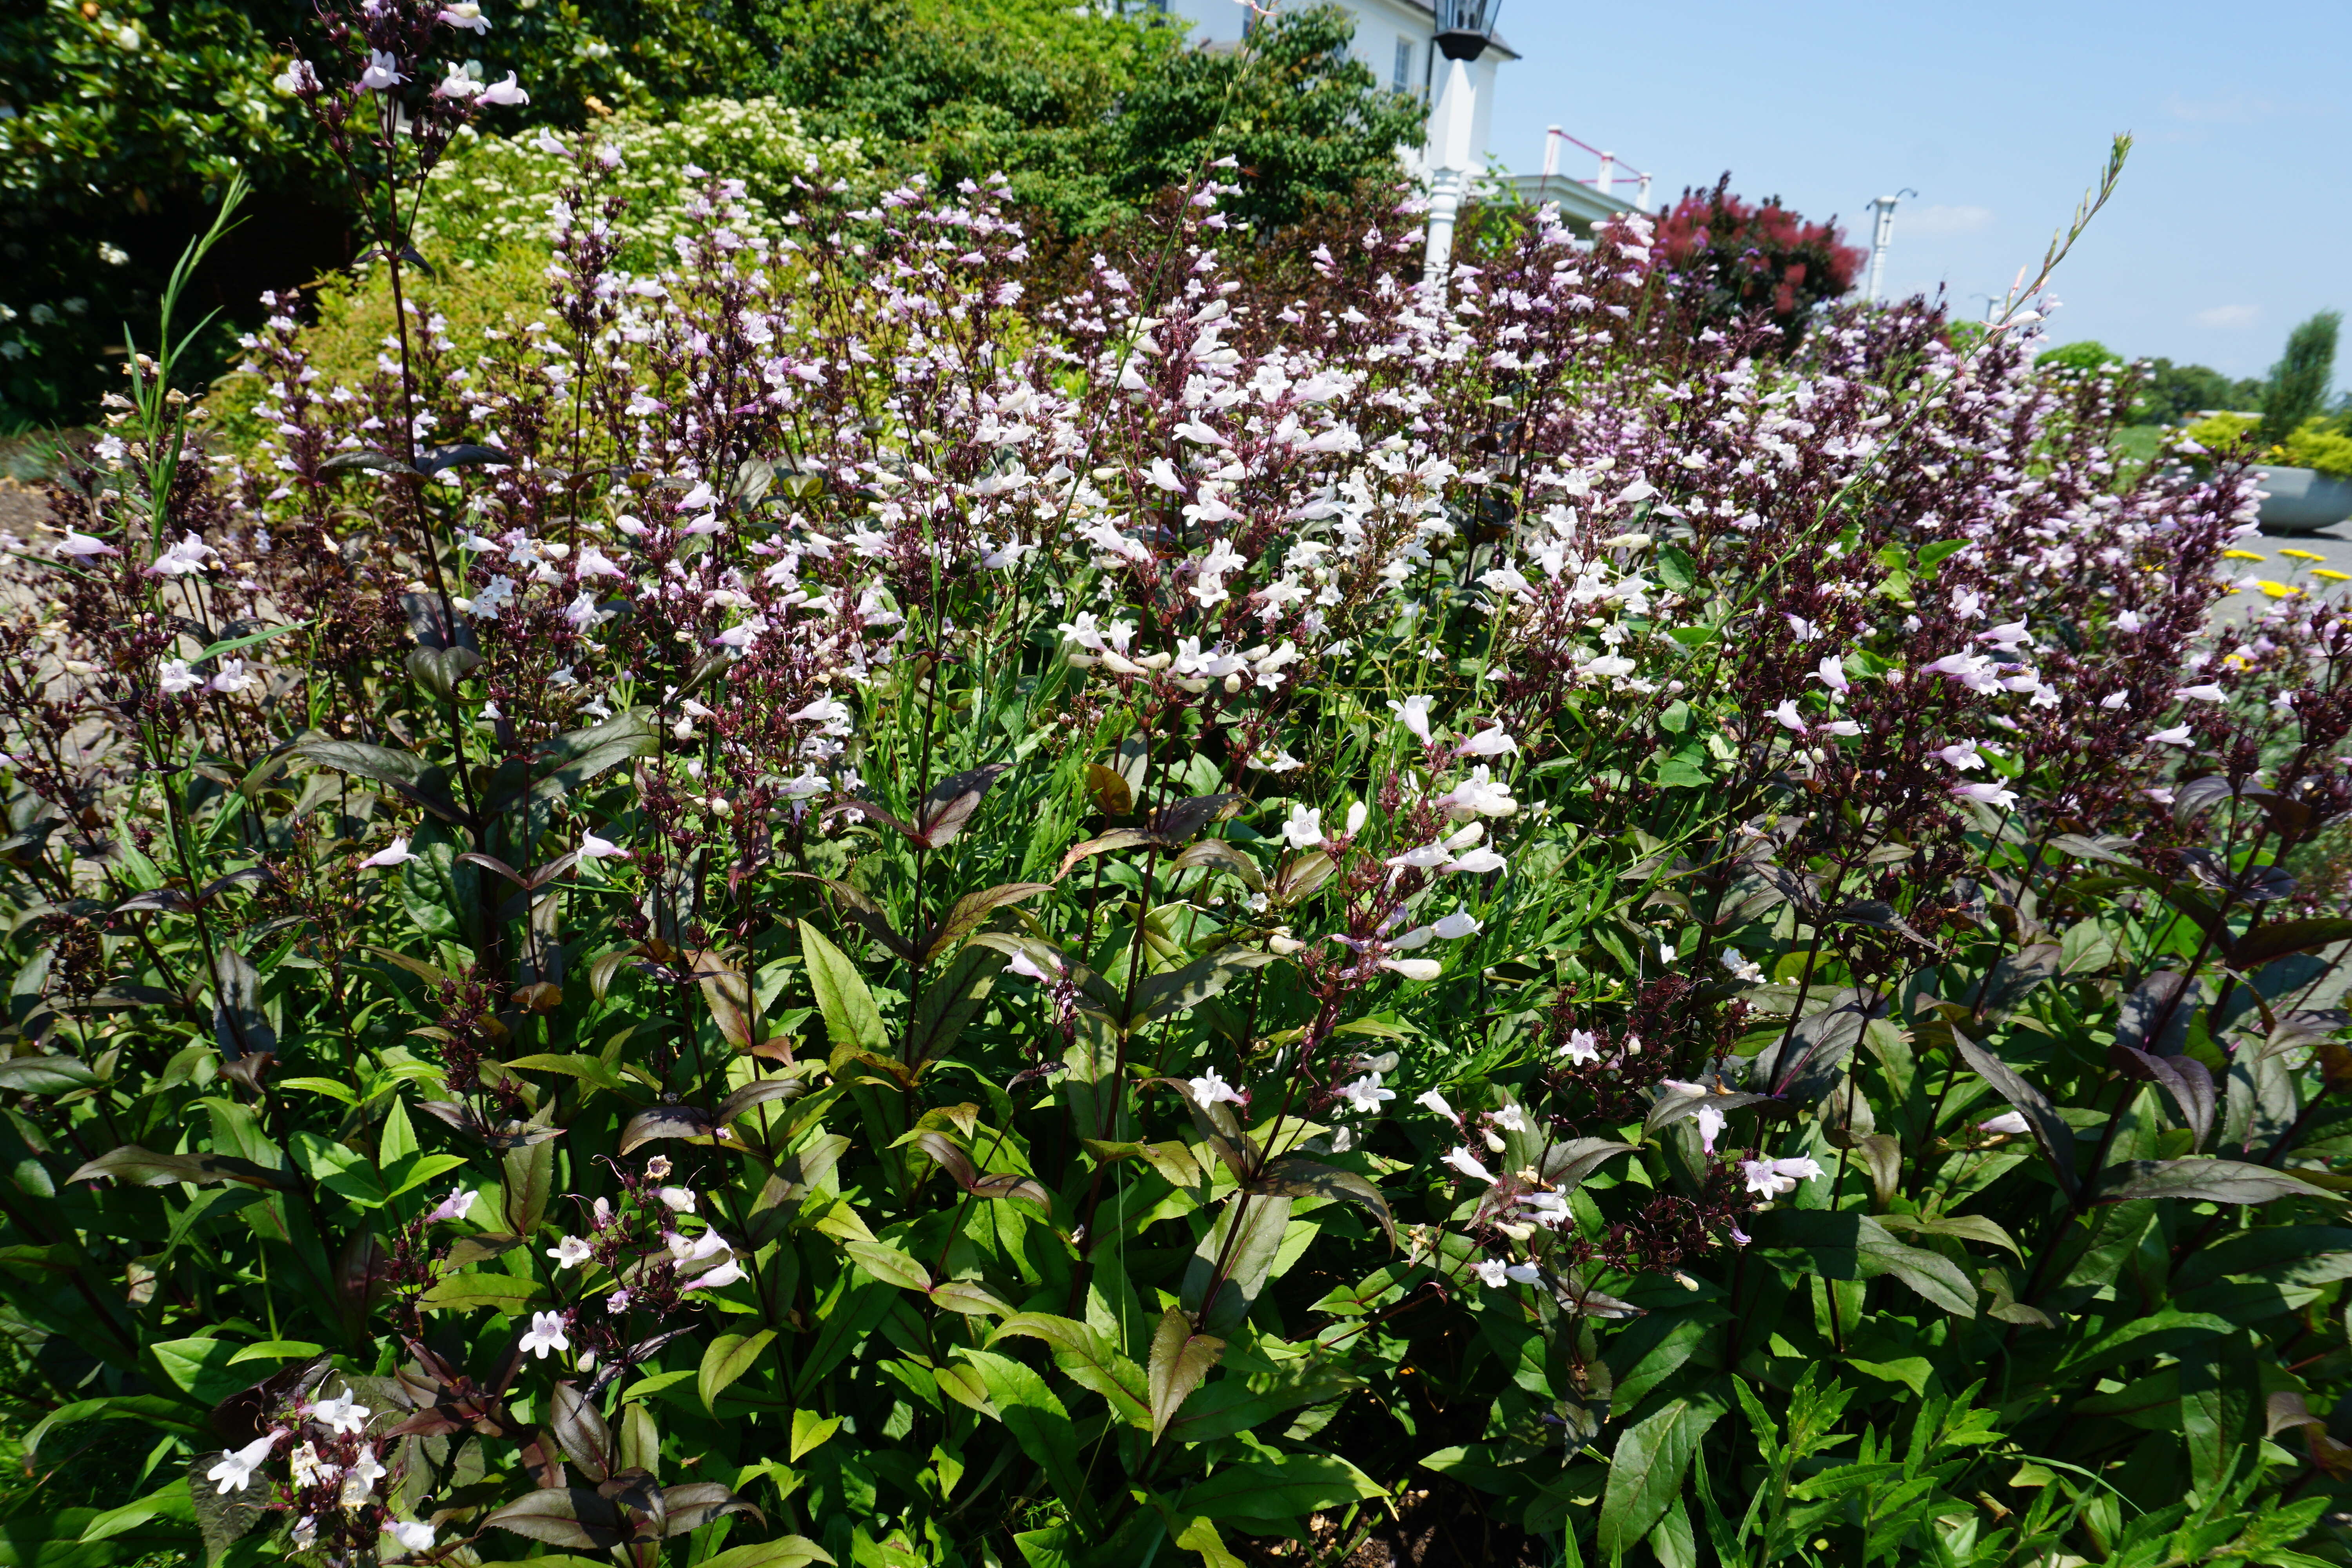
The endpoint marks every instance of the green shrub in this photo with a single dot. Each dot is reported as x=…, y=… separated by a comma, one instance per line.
x=2320, y=444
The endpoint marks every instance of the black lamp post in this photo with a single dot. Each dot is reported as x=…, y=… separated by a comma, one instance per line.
x=1464, y=27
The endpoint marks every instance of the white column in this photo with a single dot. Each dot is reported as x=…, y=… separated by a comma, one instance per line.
x=1552, y=137
x=1451, y=120
x=1642, y=197
x=1608, y=175
x=1882, y=236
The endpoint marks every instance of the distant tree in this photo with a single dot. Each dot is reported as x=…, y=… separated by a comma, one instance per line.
x=2174, y=393
x=2088, y=355
x=2299, y=382
x=1752, y=256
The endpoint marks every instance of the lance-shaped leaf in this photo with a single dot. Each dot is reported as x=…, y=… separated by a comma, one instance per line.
x=1675, y=1105
x=861, y=911
x=1180, y=1357
x=948, y=809
x=1216, y=852
x=572, y=760
x=1117, y=839
x=2264, y=943
x=133, y=1166
x=564, y=1516
x=2205, y=1181
x=1177, y=823
x=690, y=1122
x=1566, y=1165
x=759, y=1091
x=1296, y=1178
x=2050, y=1131
x=1181, y=990
x=727, y=993
x=441, y=669
x=365, y=461
x=580, y=1432
x=44, y=1075
x=238, y=1025
x=403, y=772
x=971, y=912
x=2186, y=1079
x=980, y=1185
x=727, y=1359
x=2155, y=1014
x=851, y=1016
x=434, y=459
x=1082, y=1352
x=1112, y=795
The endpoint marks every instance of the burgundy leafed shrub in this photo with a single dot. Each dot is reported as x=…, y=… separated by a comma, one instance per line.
x=1744, y=258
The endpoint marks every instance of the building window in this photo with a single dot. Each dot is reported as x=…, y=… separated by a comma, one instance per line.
x=1403, y=81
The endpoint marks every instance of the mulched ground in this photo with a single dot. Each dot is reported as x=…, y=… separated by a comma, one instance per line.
x=1441, y=1526
x=22, y=510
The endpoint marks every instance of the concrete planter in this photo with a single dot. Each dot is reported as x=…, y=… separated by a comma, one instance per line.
x=2303, y=501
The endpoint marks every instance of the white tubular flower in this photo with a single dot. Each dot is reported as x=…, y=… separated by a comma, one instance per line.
x=182, y=559
x=546, y=1334
x=1476, y=863
x=1210, y=1089
x=1414, y=714
x=389, y=857
x=1961, y=755
x=412, y=1535
x=1772, y=1178
x=176, y=677
x=1430, y=1100
x=1832, y=673
x=237, y=1465
x=2178, y=735
x=1492, y=1272
x=594, y=849
x=569, y=1253
x=1743, y=968
x=382, y=72
x=1788, y=718
x=503, y=94
x=2008, y=1123
x=1468, y=1165
x=1985, y=794
x=454, y=1206
x=1583, y=1048
x=1477, y=795
x=1413, y=968
x=342, y=1414
x=1364, y=1096
x=1457, y=925
x=677, y=1200
x=726, y=1273
x=1492, y=742
x=359, y=1481
x=80, y=546
x=2211, y=691
x=1304, y=830
x=1357, y=815
x=463, y=13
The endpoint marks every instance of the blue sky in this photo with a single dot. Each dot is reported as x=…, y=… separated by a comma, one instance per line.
x=2233, y=222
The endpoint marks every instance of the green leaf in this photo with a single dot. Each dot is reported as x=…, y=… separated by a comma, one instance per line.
x=784, y=1552
x=851, y=1017
x=1180, y=1358
x=465, y=1292
x=728, y=1358
x=1675, y=568
x=1296, y=1178
x=1038, y=1422
x=234, y=643
x=1646, y=1473
x=1087, y=1359
x=889, y=1264
x=44, y=1075
x=809, y=1431
x=2204, y=1181
x=1284, y=1488
x=200, y=1368
x=1248, y=1263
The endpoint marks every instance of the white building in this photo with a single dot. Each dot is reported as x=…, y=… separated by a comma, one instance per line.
x=1396, y=40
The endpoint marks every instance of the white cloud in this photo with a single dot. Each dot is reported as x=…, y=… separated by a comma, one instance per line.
x=1944, y=220
x=2229, y=316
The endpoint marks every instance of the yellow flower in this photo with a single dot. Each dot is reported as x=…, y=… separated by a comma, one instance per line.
x=2242, y=556
x=2301, y=555
x=2332, y=576
x=2275, y=590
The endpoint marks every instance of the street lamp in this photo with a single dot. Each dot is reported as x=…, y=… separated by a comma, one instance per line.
x=1881, y=236
x=1464, y=28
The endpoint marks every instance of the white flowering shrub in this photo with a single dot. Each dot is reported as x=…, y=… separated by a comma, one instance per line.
x=499, y=191
x=825, y=910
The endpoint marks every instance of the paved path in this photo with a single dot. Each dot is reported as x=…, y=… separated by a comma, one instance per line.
x=2294, y=570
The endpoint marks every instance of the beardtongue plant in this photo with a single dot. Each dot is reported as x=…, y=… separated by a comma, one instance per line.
x=824, y=912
